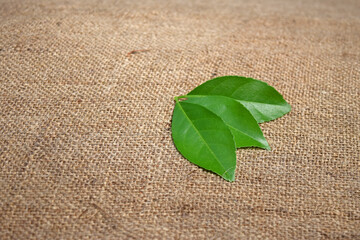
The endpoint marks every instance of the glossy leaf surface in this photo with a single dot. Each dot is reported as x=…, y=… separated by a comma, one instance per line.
x=204, y=139
x=239, y=120
x=262, y=100
x=220, y=115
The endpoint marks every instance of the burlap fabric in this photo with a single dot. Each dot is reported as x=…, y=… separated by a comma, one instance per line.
x=86, y=91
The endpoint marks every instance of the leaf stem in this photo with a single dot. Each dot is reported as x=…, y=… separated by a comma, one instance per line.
x=188, y=96
x=180, y=97
x=192, y=96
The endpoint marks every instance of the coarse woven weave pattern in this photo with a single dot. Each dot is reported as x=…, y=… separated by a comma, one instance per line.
x=86, y=100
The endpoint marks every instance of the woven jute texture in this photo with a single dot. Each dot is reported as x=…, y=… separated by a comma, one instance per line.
x=86, y=100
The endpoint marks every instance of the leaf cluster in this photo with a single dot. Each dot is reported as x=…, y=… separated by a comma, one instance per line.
x=223, y=114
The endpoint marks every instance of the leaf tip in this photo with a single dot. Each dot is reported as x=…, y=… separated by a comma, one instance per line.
x=229, y=174
x=288, y=107
x=267, y=146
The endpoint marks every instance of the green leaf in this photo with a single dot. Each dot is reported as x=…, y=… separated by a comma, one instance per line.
x=239, y=120
x=204, y=139
x=220, y=115
x=262, y=100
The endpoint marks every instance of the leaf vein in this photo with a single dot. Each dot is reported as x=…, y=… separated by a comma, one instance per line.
x=202, y=138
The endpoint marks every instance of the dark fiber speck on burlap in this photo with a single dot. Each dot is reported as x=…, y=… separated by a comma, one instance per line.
x=86, y=100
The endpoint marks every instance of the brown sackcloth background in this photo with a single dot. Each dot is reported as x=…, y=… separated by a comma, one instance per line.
x=86, y=100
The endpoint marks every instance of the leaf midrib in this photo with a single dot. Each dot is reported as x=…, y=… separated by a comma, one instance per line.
x=255, y=139
x=277, y=104
x=206, y=144
x=239, y=100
